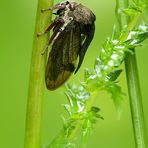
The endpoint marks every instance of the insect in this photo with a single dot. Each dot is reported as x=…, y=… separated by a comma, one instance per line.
x=73, y=31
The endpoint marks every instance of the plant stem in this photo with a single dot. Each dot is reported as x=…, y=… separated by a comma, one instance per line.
x=133, y=84
x=135, y=101
x=36, y=82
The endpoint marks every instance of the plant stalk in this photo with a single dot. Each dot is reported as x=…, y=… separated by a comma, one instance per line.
x=133, y=82
x=36, y=81
x=135, y=101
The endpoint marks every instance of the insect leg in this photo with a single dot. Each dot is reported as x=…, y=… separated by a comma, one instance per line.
x=44, y=10
x=47, y=29
x=52, y=38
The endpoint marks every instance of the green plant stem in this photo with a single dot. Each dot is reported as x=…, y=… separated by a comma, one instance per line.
x=36, y=82
x=135, y=101
x=133, y=84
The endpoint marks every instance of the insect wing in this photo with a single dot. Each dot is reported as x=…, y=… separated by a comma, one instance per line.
x=89, y=34
x=63, y=56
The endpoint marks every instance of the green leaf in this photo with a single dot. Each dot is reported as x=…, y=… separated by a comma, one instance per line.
x=112, y=76
x=134, y=42
x=117, y=95
x=141, y=37
x=90, y=118
x=87, y=73
x=133, y=10
x=95, y=109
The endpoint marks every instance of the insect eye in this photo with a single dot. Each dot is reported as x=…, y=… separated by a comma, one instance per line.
x=67, y=2
x=62, y=3
x=70, y=18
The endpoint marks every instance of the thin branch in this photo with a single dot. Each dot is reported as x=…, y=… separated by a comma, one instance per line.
x=36, y=82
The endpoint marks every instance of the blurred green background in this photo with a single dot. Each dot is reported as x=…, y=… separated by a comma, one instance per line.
x=17, y=20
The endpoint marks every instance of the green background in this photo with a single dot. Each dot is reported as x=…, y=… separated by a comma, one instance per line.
x=17, y=19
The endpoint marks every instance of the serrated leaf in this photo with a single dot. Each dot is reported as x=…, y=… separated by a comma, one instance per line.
x=95, y=109
x=117, y=95
x=68, y=108
x=87, y=74
x=132, y=10
x=112, y=76
x=90, y=118
x=141, y=37
x=132, y=43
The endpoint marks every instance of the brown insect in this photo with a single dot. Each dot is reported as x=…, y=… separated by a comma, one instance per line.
x=73, y=31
